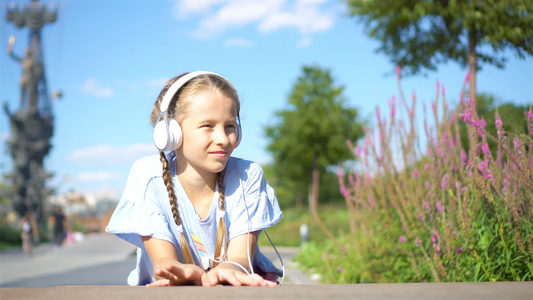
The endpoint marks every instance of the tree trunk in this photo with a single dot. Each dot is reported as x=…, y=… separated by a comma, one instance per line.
x=313, y=202
x=472, y=63
x=299, y=199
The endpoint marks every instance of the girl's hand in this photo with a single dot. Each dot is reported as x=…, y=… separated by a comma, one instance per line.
x=227, y=274
x=179, y=274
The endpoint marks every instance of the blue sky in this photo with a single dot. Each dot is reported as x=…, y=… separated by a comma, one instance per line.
x=111, y=58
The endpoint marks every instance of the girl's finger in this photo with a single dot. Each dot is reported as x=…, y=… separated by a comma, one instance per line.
x=186, y=273
x=160, y=282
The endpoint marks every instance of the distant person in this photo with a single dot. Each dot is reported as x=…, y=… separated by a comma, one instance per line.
x=194, y=212
x=30, y=233
x=60, y=226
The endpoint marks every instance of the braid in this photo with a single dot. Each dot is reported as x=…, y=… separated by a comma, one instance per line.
x=167, y=178
x=222, y=235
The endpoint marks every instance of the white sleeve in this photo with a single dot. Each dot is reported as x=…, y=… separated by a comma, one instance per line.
x=140, y=212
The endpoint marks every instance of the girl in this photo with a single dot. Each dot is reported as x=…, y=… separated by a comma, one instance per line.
x=194, y=212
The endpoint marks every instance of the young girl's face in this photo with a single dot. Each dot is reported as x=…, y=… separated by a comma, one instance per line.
x=209, y=132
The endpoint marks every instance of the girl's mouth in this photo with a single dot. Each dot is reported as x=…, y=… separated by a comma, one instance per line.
x=219, y=154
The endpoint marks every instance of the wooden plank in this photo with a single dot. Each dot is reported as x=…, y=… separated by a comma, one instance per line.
x=497, y=290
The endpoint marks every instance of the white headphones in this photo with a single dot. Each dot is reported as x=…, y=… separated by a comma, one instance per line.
x=167, y=131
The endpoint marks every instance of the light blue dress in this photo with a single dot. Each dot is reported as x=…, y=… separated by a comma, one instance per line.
x=144, y=210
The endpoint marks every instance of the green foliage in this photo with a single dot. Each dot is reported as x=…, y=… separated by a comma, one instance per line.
x=287, y=191
x=441, y=215
x=10, y=234
x=421, y=34
x=312, y=129
x=287, y=231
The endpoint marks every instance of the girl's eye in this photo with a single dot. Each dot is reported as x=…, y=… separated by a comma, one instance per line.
x=231, y=127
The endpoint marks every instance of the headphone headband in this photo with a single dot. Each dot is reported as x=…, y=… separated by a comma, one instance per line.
x=169, y=94
x=167, y=132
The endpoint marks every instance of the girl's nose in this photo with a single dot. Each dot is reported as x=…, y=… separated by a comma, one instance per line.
x=221, y=136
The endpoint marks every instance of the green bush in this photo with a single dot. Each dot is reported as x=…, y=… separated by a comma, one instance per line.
x=439, y=215
x=9, y=236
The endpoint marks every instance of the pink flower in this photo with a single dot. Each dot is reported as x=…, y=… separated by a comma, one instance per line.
x=418, y=242
x=351, y=179
x=485, y=170
x=402, y=239
x=349, y=144
x=434, y=239
x=344, y=192
x=415, y=172
x=340, y=269
x=485, y=148
x=340, y=172
x=529, y=115
x=426, y=207
x=467, y=77
x=463, y=158
x=440, y=207
x=499, y=126
x=428, y=185
x=398, y=70
x=370, y=200
x=458, y=184
x=445, y=180
x=460, y=250
x=516, y=142
x=421, y=217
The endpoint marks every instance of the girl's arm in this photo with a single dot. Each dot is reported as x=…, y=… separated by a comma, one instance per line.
x=229, y=273
x=167, y=269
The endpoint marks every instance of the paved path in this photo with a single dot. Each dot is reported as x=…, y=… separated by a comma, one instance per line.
x=98, y=260
x=97, y=267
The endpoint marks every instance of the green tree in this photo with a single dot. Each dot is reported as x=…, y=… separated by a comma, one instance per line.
x=420, y=34
x=311, y=133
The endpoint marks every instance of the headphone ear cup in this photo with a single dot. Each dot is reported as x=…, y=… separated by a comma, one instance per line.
x=175, y=135
x=167, y=135
x=239, y=135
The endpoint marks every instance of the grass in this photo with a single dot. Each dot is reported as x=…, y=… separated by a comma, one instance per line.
x=287, y=231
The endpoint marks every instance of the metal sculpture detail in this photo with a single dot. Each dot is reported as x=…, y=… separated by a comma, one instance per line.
x=32, y=124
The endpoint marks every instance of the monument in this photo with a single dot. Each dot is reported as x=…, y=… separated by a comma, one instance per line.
x=32, y=124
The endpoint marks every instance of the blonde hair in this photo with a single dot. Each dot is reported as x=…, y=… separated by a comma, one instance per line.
x=198, y=85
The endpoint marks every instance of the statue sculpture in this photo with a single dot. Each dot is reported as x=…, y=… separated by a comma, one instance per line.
x=32, y=124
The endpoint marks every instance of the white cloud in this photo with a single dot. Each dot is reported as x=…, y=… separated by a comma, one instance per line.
x=306, y=17
x=157, y=82
x=99, y=176
x=304, y=42
x=239, y=42
x=111, y=155
x=92, y=87
x=188, y=8
x=216, y=16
